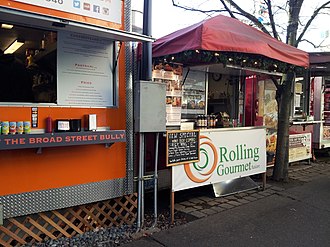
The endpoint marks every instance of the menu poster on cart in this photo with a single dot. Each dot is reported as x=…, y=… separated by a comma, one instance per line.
x=173, y=102
x=193, y=98
x=107, y=10
x=171, y=74
x=84, y=70
x=300, y=147
x=270, y=117
x=326, y=132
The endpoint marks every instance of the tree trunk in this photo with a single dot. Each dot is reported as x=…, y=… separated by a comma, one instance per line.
x=284, y=96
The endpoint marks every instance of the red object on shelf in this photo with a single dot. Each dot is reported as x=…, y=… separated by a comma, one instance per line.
x=49, y=125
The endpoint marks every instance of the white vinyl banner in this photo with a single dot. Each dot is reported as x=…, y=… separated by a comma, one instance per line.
x=224, y=155
x=107, y=10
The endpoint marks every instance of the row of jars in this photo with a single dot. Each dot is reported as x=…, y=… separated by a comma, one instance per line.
x=13, y=128
x=206, y=121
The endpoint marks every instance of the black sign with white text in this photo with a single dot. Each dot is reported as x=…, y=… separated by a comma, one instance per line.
x=182, y=147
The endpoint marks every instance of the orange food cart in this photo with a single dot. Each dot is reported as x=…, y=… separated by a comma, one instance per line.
x=76, y=144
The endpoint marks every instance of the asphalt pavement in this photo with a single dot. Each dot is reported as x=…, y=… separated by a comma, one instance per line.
x=293, y=214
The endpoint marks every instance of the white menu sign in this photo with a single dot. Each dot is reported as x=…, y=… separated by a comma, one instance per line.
x=173, y=101
x=107, y=10
x=300, y=147
x=84, y=70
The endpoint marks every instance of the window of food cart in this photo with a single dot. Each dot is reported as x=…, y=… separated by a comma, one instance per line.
x=194, y=94
x=301, y=106
x=198, y=98
x=57, y=67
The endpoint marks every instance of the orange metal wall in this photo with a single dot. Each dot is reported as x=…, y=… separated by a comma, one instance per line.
x=24, y=170
x=60, y=14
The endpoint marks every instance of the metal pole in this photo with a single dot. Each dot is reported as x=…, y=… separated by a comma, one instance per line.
x=264, y=180
x=142, y=179
x=140, y=211
x=130, y=145
x=156, y=180
x=139, y=187
x=146, y=73
x=172, y=206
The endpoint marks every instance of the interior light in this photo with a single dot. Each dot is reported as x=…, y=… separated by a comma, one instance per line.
x=14, y=47
x=255, y=70
x=216, y=54
x=320, y=67
x=6, y=26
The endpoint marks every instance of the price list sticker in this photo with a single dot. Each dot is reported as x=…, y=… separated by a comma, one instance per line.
x=182, y=147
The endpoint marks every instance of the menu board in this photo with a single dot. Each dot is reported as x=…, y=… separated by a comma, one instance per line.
x=171, y=74
x=182, y=147
x=193, y=98
x=300, y=147
x=173, y=102
x=270, y=117
x=85, y=70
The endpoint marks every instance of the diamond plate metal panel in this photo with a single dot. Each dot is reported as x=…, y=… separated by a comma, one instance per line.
x=129, y=102
x=1, y=215
x=46, y=200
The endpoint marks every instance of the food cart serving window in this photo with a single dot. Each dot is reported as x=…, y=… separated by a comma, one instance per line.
x=58, y=67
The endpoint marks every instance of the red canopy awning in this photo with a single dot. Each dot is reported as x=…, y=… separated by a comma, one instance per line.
x=222, y=33
x=319, y=57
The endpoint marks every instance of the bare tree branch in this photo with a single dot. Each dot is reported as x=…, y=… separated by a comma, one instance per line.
x=228, y=9
x=313, y=44
x=282, y=8
x=206, y=12
x=240, y=12
x=271, y=18
x=249, y=16
x=310, y=42
x=309, y=22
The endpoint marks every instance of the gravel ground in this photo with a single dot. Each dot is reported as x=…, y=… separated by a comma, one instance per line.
x=116, y=236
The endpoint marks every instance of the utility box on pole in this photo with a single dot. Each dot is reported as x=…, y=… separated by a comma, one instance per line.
x=150, y=106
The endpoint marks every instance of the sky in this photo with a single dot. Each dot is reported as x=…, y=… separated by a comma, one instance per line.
x=166, y=18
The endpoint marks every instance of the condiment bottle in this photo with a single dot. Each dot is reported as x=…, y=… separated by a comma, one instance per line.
x=49, y=125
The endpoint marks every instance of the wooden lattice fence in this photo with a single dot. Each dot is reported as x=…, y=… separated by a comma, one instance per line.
x=68, y=222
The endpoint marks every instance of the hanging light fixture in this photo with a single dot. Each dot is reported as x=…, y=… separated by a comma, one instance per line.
x=14, y=47
x=6, y=26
